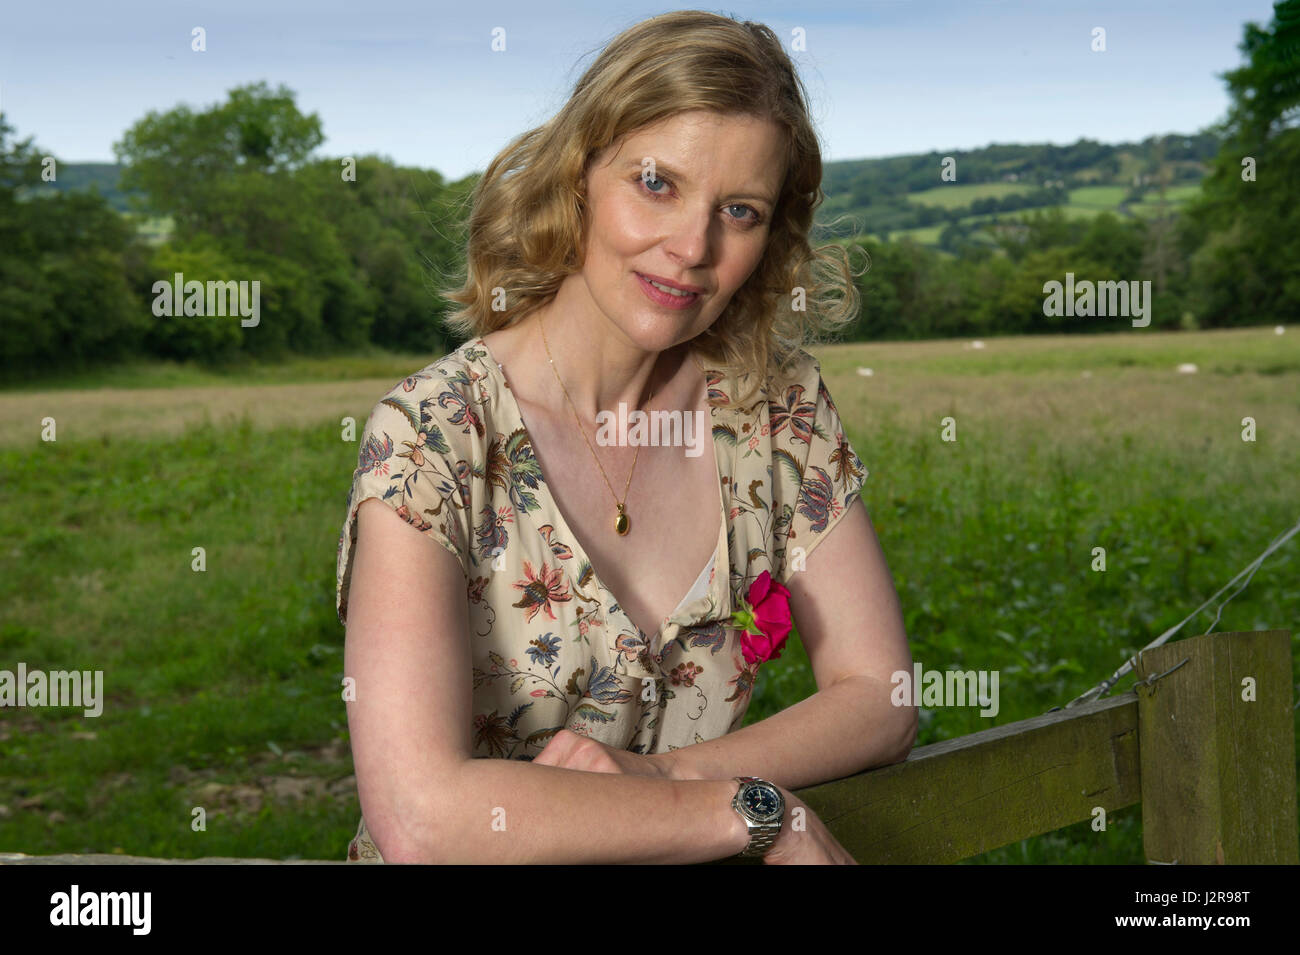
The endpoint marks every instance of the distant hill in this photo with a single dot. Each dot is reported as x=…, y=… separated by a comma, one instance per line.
x=904, y=196
x=84, y=176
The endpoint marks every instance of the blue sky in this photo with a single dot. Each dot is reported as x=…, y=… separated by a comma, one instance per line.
x=418, y=82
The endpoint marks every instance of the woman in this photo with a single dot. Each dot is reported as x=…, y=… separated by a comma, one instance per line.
x=646, y=248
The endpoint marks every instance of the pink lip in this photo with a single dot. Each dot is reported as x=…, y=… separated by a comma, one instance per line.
x=665, y=299
x=677, y=285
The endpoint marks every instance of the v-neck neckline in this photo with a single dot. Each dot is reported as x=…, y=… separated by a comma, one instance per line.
x=719, y=591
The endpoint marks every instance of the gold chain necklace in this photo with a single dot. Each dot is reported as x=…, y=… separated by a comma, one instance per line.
x=622, y=524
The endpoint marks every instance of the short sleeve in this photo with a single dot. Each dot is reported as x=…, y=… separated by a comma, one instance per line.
x=822, y=473
x=405, y=461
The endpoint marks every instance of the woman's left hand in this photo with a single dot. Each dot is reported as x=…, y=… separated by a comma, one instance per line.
x=570, y=750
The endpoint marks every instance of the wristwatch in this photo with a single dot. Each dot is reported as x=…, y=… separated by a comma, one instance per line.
x=762, y=807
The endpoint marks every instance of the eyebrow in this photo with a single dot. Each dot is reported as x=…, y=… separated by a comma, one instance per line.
x=676, y=176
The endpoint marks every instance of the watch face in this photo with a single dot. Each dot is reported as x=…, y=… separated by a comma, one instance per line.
x=761, y=801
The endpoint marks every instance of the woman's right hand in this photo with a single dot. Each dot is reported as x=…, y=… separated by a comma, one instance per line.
x=810, y=844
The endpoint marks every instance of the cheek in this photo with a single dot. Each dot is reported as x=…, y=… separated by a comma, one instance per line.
x=741, y=262
x=623, y=228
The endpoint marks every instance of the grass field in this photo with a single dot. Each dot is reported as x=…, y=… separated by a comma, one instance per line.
x=222, y=686
x=1086, y=202
x=929, y=234
x=1098, y=197
x=956, y=195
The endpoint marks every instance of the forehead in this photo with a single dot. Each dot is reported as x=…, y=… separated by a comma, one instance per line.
x=706, y=143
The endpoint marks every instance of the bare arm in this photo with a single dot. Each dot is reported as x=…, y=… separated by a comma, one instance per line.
x=848, y=615
x=424, y=798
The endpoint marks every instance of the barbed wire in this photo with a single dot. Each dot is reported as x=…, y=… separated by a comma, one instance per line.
x=1104, y=687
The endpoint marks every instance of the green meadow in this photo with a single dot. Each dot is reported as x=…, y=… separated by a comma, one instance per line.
x=959, y=195
x=1085, y=202
x=222, y=686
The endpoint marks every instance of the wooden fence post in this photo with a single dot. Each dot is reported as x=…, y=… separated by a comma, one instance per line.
x=1216, y=741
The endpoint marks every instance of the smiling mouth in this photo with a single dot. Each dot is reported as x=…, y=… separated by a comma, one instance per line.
x=668, y=289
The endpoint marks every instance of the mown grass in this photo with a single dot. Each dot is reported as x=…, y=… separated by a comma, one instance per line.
x=223, y=686
x=957, y=195
x=371, y=362
x=1098, y=197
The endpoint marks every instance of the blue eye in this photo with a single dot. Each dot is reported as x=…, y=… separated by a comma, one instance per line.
x=755, y=217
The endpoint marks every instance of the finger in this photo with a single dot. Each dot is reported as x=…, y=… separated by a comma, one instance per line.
x=549, y=756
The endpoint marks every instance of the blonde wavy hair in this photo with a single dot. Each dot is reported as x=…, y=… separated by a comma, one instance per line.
x=527, y=219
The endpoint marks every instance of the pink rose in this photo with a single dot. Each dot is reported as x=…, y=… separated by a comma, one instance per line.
x=766, y=621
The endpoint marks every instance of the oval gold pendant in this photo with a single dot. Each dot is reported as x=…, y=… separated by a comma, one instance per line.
x=621, y=523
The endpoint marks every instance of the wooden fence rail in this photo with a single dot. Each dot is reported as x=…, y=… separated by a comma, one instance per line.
x=1207, y=749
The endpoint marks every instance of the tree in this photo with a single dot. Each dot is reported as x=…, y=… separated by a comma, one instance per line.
x=1249, y=210
x=235, y=179
x=1115, y=244
x=182, y=159
x=64, y=296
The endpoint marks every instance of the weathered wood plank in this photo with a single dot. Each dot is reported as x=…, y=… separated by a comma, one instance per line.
x=955, y=799
x=1218, y=770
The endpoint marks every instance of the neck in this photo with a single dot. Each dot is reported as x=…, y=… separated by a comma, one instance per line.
x=596, y=363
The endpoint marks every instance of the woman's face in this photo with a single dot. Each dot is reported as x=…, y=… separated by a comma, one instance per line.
x=688, y=201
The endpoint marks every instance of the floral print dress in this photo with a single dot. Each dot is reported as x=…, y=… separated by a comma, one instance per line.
x=447, y=449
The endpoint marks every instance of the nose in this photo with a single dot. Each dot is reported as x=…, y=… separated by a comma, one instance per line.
x=689, y=237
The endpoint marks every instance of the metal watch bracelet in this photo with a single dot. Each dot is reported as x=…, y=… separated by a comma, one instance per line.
x=763, y=812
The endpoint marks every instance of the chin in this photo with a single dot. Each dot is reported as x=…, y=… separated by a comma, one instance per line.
x=658, y=333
